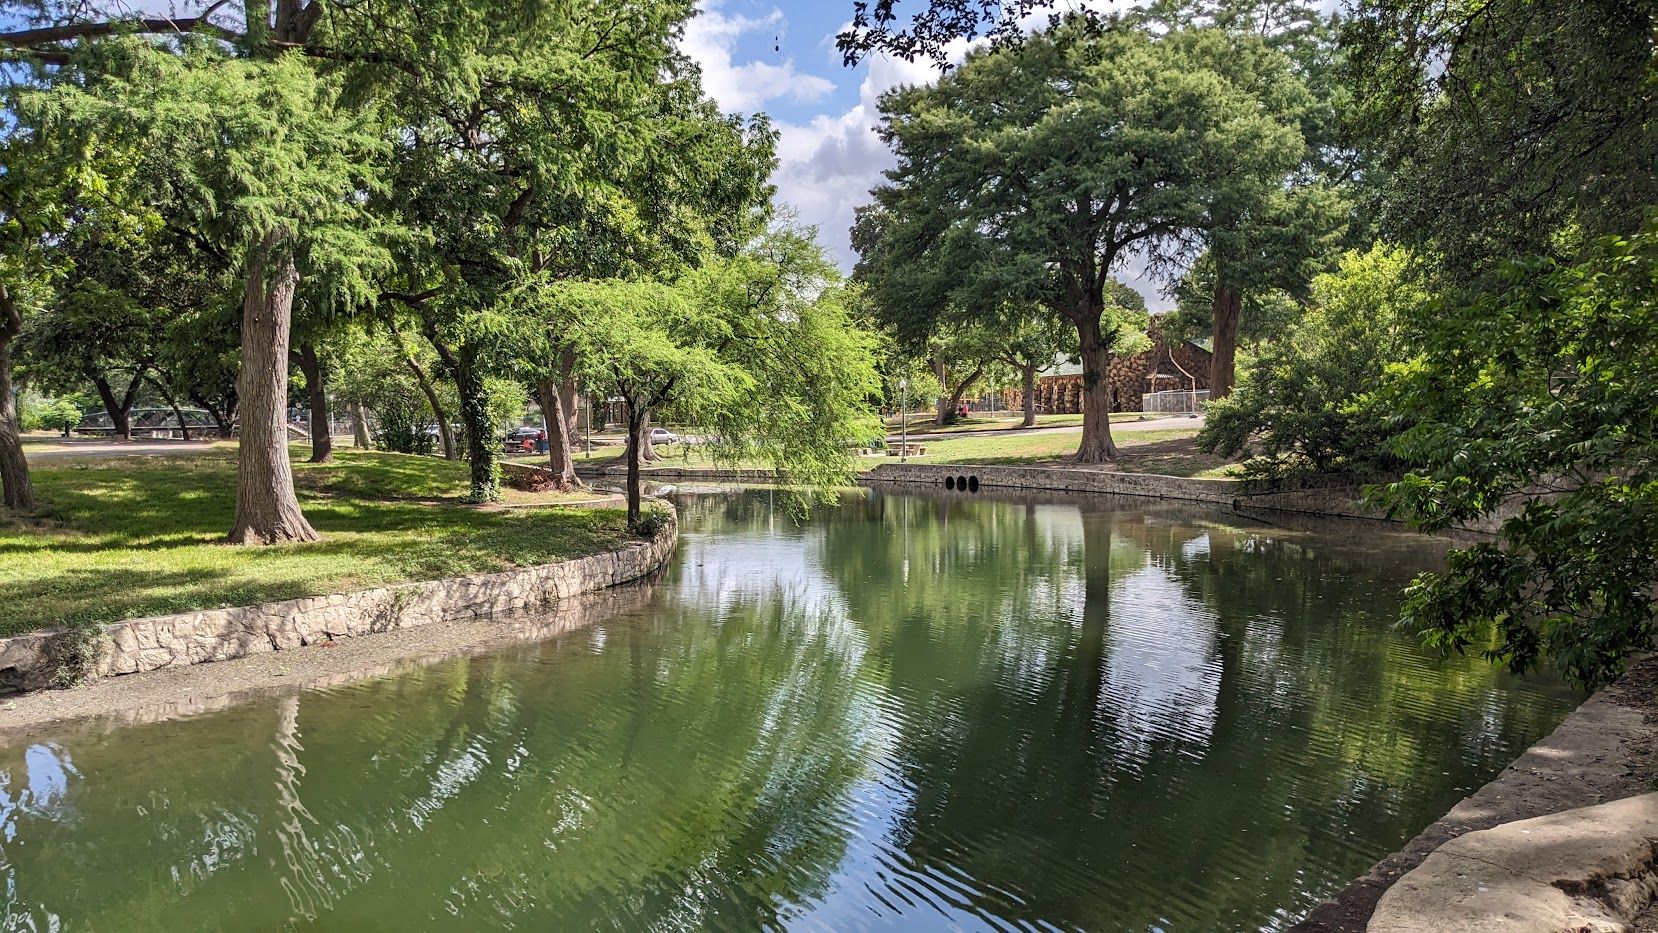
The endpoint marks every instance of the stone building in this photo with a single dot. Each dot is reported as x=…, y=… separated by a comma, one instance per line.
x=1166, y=365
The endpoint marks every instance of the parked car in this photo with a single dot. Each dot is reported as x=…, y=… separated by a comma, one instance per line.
x=520, y=440
x=663, y=436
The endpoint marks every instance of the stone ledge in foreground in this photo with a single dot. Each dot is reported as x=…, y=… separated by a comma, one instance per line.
x=203, y=636
x=1590, y=869
x=1606, y=750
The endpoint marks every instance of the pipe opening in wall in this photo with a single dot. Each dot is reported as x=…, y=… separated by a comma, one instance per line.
x=972, y=484
x=949, y=482
x=961, y=483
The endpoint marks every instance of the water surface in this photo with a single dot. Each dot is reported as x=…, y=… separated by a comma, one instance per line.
x=915, y=712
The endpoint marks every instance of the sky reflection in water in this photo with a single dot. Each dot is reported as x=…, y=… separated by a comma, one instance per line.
x=927, y=711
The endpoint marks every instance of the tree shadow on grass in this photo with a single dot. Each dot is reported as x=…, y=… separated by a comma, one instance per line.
x=97, y=595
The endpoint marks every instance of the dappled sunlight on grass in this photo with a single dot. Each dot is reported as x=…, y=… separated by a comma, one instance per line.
x=141, y=536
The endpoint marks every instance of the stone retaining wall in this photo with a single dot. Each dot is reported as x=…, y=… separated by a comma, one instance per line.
x=1594, y=868
x=651, y=474
x=1606, y=750
x=27, y=661
x=1318, y=497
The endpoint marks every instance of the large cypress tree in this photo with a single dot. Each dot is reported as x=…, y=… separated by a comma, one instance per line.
x=1034, y=172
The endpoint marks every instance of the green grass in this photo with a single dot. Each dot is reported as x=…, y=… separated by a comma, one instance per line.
x=1170, y=452
x=922, y=424
x=136, y=536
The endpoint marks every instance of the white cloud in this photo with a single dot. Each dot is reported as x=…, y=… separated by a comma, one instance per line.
x=711, y=39
x=828, y=164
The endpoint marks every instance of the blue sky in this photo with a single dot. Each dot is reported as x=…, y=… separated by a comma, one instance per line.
x=778, y=57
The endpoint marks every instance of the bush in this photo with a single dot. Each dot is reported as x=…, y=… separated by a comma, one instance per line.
x=402, y=427
x=651, y=522
x=1536, y=402
x=1307, y=404
x=43, y=412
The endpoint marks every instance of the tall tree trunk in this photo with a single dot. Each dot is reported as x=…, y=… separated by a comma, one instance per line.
x=222, y=420
x=1097, y=445
x=267, y=510
x=1029, y=372
x=359, y=426
x=1228, y=308
x=642, y=436
x=172, y=402
x=475, y=416
x=316, y=388
x=446, y=431
x=16, y=492
x=961, y=390
x=638, y=421
x=943, y=414
x=119, y=409
x=567, y=390
x=563, y=466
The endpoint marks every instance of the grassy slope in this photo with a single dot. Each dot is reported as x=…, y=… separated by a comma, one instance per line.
x=139, y=536
x=1172, y=452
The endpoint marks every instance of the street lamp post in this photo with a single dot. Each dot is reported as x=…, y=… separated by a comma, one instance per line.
x=904, y=413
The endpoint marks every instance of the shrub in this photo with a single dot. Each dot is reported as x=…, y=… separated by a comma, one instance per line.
x=402, y=428
x=1307, y=404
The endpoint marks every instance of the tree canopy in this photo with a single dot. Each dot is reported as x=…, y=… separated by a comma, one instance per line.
x=1033, y=173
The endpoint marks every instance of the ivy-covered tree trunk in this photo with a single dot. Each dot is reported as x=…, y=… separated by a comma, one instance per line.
x=15, y=489
x=1029, y=373
x=316, y=388
x=1095, y=350
x=480, y=425
x=1228, y=309
x=559, y=460
x=267, y=511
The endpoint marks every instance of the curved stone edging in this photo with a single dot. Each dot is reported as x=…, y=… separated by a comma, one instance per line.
x=1316, y=497
x=1594, y=868
x=652, y=474
x=1605, y=750
x=204, y=636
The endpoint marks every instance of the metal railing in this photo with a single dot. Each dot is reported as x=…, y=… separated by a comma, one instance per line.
x=1175, y=401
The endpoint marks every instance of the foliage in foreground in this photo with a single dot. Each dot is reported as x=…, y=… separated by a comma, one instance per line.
x=1307, y=405
x=1542, y=397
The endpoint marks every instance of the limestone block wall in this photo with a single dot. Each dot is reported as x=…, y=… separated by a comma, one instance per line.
x=1322, y=498
x=27, y=662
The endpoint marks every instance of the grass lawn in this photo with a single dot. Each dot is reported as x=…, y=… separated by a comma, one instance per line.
x=1172, y=452
x=922, y=424
x=124, y=537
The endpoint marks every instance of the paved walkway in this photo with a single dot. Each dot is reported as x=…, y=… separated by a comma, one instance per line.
x=1177, y=422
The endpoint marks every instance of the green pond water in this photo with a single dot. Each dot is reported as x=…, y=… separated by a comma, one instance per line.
x=906, y=712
